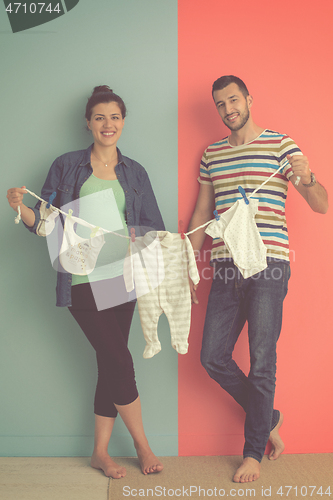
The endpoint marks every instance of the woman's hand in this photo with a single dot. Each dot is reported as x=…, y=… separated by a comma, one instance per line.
x=15, y=197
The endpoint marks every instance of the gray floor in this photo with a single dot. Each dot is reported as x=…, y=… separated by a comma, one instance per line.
x=51, y=479
x=290, y=477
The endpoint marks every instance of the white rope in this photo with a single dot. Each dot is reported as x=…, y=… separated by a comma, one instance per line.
x=250, y=195
x=41, y=199
x=267, y=180
x=18, y=218
x=75, y=218
x=200, y=227
x=105, y=230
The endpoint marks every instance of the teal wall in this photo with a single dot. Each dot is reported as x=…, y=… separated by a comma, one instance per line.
x=47, y=367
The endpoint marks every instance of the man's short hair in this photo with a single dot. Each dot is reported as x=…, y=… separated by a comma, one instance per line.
x=224, y=81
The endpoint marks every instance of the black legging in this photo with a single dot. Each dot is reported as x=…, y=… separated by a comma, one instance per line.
x=107, y=331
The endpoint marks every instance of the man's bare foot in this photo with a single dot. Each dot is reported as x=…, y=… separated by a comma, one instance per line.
x=149, y=463
x=108, y=466
x=249, y=471
x=276, y=441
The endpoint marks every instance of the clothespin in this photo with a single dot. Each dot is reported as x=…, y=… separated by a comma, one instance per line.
x=216, y=214
x=93, y=232
x=242, y=192
x=53, y=195
x=132, y=234
x=181, y=228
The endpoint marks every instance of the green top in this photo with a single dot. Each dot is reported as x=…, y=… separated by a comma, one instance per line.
x=102, y=203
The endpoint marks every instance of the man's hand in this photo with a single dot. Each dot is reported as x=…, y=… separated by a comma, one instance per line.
x=193, y=289
x=300, y=167
x=316, y=195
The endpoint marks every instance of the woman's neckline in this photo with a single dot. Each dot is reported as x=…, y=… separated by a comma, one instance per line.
x=105, y=180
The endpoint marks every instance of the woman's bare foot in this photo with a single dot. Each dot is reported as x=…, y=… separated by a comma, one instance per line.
x=276, y=441
x=107, y=465
x=249, y=471
x=149, y=463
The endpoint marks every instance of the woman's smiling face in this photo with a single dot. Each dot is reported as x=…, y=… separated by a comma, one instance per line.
x=106, y=123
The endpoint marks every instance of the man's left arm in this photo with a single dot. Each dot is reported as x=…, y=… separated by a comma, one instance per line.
x=314, y=194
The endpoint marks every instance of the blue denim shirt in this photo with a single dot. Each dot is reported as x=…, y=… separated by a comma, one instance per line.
x=66, y=177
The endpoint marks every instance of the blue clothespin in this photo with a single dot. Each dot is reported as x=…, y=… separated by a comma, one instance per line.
x=216, y=214
x=53, y=195
x=242, y=192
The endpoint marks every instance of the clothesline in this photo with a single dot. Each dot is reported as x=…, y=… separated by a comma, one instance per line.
x=18, y=217
x=56, y=209
x=248, y=196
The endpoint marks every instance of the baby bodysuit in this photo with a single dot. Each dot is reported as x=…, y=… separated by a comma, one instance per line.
x=164, y=270
x=241, y=236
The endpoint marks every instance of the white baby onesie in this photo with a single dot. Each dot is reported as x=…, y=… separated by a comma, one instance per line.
x=171, y=257
x=241, y=236
x=47, y=219
x=240, y=233
x=143, y=264
x=79, y=255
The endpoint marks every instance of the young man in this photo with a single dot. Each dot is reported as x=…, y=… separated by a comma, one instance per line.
x=247, y=157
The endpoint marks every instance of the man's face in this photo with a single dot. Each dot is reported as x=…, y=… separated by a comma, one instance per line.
x=233, y=107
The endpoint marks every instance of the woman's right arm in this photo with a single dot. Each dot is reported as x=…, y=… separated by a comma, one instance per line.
x=32, y=216
x=15, y=200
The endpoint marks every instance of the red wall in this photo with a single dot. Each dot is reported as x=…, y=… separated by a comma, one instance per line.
x=283, y=52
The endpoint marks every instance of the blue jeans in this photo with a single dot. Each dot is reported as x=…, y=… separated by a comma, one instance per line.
x=234, y=300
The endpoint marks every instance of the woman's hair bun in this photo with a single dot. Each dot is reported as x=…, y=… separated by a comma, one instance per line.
x=102, y=88
x=103, y=94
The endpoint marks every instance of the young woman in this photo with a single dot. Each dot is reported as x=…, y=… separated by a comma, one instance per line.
x=99, y=178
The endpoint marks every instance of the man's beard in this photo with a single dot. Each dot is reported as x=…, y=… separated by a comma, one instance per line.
x=244, y=118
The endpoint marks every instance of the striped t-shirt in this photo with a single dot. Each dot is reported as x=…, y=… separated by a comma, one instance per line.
x=249, y=165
